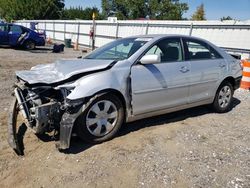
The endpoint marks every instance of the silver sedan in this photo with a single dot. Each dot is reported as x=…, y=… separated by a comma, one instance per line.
x=126, y=80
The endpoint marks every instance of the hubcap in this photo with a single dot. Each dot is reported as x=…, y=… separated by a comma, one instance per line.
x=101, y=118
x=224, y=96
x=30, y=45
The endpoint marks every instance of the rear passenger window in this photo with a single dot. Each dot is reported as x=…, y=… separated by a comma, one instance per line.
x=199, y=50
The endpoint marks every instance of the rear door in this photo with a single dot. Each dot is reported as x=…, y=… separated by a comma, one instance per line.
x=163, y=85
x=4, y=37
x=207, y=68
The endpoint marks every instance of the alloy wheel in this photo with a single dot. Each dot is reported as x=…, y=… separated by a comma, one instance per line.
x=224, y=97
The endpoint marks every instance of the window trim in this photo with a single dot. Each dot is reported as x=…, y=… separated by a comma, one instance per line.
x=209, y=47
x=137, y=62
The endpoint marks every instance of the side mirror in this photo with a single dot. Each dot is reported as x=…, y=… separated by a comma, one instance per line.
x=150, y=59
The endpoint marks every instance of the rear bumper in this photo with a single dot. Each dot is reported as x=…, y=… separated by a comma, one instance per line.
x=237, y=82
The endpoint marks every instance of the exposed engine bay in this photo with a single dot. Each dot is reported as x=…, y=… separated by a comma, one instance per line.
x=42, y=109
x=42, y=106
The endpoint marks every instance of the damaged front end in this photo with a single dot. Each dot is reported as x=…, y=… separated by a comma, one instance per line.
x=41, y=98
x=44, y=109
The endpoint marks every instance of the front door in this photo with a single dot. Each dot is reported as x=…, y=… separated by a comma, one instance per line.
x=14, y=34
x=163, y=85
x=4, y=38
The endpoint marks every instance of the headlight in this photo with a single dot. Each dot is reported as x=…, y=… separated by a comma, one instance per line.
x=68, y=87
x=73, y=106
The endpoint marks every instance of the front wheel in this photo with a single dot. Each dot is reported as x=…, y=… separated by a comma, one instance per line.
x=223, y=99
x=101, y=120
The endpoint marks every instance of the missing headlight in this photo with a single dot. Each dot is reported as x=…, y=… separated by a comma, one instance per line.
x=73, y=106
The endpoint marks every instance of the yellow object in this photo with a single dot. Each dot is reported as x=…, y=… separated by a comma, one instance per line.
x=93, y=16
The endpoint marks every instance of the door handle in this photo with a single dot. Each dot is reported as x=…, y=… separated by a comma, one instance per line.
x=184, y=69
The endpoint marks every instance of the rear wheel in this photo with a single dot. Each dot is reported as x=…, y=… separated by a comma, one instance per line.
x=29, y=45
x=101, y=120
x=223, y=99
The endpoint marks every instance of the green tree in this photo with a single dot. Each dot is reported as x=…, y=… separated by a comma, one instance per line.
x=118, y=8
x=226, y=18
x=167, y=9
x=199, y=14
x=80, y=13
x=135, y=9
x=31, y=9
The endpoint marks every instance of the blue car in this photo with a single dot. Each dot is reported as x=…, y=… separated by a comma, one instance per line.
x=19, y=36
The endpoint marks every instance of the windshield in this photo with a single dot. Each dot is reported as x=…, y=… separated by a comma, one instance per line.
x=119, y=49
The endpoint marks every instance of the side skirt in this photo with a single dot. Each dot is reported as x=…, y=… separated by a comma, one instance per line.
x=168, y=110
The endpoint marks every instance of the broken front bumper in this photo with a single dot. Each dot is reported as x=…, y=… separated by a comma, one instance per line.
x=66, y=124
x=12, y=131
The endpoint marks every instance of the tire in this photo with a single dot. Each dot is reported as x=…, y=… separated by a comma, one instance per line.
x=223, y=98
x=29, y=45
x=101, y=120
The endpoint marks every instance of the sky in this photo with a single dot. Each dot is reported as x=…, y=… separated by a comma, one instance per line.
x=214, y=9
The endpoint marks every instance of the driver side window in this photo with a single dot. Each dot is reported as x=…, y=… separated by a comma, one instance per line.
x=154, y=50
x=16, y=29
x=168, y=49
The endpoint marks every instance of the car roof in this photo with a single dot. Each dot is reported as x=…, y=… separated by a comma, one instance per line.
x=159, y=36
x=10, y=24
x=167, y=35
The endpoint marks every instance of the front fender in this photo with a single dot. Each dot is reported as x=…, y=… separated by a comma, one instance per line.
x=92, y=84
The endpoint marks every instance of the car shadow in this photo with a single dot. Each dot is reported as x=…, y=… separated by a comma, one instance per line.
x=5, y=47
x=78, y=145
x=40, y=50
x=170, y=118
x=19, y=139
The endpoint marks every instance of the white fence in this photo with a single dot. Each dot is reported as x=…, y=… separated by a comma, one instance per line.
x=234, y=36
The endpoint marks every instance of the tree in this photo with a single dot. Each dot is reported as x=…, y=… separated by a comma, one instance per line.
x=80, y=13
x=31, y=9
x=199, y=13
x=226, y=18
x=136, y=9
x=118, y=8
x=167, y=9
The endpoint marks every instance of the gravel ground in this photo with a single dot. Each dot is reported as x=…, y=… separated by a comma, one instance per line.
x=190, y=148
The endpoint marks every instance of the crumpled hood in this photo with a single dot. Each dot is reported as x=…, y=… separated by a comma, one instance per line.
x=61, y=70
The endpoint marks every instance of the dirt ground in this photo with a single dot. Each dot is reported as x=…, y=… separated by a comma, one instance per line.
x=190, y=148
